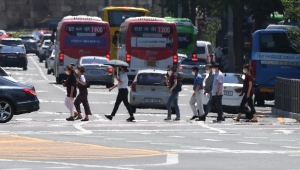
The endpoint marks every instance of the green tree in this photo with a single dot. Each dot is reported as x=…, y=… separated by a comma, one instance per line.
x=210, y=30
x=292, y=12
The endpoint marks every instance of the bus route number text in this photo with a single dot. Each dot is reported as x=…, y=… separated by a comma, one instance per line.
x=164, y=30
x=97, y=29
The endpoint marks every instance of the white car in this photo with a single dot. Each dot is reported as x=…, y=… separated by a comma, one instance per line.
x=149, y=90
x=6, y=75
x=233, y=84
x=205, y=50
x=50, y=62
x=43, y=49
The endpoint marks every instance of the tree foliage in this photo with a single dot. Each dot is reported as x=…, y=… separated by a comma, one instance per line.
x=292, y=9
x=210, y=30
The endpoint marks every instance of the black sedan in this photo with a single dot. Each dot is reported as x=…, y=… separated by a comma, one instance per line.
x=30, y=43
x=16, y=98
x=13, y=56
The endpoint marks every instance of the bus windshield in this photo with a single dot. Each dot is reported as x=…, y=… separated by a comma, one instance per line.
x=116, y=18
x=276, y=43
x=149, y=36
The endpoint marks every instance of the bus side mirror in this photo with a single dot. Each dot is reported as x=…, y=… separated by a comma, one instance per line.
x=53, y=35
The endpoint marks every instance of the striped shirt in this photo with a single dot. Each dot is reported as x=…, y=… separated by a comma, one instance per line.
x=198, y=81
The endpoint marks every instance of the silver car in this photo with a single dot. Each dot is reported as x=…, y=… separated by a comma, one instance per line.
x=96, y=72
x=149, y=90
x=185, y=68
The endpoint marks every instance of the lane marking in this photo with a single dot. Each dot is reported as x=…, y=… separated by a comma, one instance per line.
x=211, y=128
x=171, y=159
x=280, y=120
x=256, y=137
x=24, y=119
x=61, y=167
x=286, y=132
x=176, y=136
x=18, y=169
x=248, y=143
x=79, y=127
x=69, y=164
x=100, y=118
x=144, y=141
x=213, y=140
x=291, y=147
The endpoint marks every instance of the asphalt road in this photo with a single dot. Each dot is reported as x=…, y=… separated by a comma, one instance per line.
x=44, y=140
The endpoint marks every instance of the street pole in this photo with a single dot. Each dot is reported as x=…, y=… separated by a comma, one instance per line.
x=230, y=56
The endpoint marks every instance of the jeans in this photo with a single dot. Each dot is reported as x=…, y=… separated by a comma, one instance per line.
x=197, y=99
x=173, y=99
x=122, y=97
x=69, y=104
x=250, y=104
x=217, y=101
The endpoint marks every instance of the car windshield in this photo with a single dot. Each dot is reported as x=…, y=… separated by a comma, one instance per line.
x=190, y=62
x=27, y=38
x=233, y=79
x=2, y=72
x=12, y=49
x=151, y=79
x=11, y=42
x=201, y=50
x=46, y=37
x=93, y=61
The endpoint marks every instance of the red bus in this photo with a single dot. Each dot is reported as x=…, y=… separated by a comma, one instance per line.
x=78, y=36
x=147, y=42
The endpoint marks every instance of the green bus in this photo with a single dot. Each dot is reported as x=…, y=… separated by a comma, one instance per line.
x=187, y=36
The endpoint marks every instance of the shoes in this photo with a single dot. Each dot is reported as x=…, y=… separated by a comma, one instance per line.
x=252, y=121
x=194, y=117
x=168, y=118
x=130, y=119
x=85, y=120
x=176, y=119
x=236, y=119
x=109, y=117
x=78, y=117
x=71, y=118
x=217, y=121
x=202, y=118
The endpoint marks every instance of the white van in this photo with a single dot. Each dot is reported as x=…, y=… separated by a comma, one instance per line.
x=204, y=50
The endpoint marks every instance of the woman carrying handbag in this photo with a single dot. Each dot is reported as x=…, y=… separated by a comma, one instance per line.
x=173, y=84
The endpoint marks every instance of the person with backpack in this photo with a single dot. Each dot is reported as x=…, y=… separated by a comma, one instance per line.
x=174, y=87
x=82, y=85
x=197, y=95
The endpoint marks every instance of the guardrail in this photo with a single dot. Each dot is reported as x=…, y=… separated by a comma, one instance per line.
x=287, y=95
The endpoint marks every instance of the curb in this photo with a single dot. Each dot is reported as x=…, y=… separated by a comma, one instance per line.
x=286, y=114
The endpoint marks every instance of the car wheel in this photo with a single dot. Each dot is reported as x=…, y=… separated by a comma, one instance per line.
x=24, y=68
x=6, y=111
x=133, y=109
x=41, y=60
x=260, y=102
x=48, y=71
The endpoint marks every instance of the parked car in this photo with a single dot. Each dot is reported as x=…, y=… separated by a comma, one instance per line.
x=149, y=90
x=13, y=56
x=43, y=49
x=50, y=62
x=3, y=34
x=6, y=75
x=185, y=68
x=233, y=84
x=16, y=98
x=96, y=72
x=30, y=43
x=205, y=50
